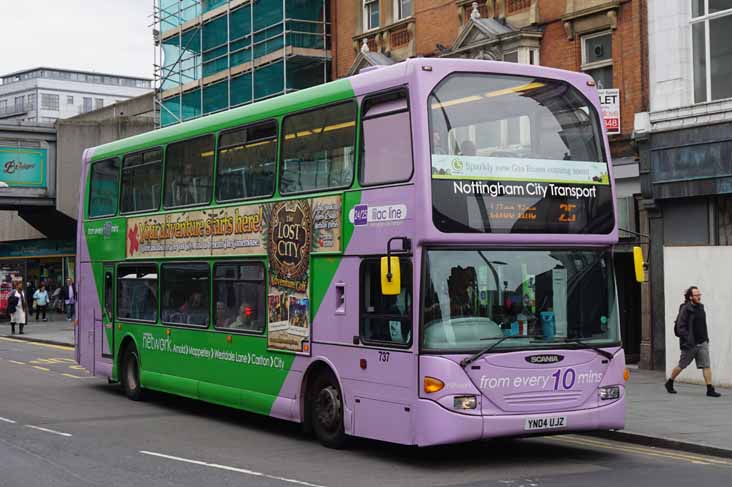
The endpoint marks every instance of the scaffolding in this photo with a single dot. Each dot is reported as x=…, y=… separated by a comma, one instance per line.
x=212, y=55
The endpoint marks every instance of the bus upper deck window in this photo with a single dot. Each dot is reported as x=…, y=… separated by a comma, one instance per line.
x=188, y=169
x=387, y=139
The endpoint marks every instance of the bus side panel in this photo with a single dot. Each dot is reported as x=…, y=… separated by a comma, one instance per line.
x=378, y=383
x=87, y=302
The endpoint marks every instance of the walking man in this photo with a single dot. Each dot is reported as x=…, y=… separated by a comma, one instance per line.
x=691, y=328
x=69, y=296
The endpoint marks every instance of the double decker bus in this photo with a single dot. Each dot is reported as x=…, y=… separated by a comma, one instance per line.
x=419, y=254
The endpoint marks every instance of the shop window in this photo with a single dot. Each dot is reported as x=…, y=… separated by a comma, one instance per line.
x=141, y=174
x=711, y=34
x=387, y=139
x=239, y=289
x=137, y=292
x=597, y=58
x=318, y=149
x=188, y=169
x=184, y=289
x=246, y=164
x=104, y=188
x=385, y=319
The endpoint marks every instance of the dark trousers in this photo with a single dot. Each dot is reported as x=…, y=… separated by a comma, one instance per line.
x=12, y=327
x=41, y=310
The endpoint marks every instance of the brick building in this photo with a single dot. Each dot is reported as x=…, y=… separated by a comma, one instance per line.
x=605, y=38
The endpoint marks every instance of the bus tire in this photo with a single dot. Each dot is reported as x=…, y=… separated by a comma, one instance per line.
x=326, y=414
x=130, y=376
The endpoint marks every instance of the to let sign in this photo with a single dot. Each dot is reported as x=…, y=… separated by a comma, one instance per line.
x=610, y=101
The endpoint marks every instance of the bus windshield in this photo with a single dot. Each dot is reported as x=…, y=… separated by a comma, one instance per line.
x=514, y=154
x=553, y=298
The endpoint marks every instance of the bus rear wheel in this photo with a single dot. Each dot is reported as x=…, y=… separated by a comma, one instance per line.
x=327, y=411
x=130, y=373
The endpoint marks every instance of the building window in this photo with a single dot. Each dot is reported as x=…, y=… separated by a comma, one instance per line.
x=98, y=103
x=3, y=105
x=188, y=168
x=402, y=9
x=597, y=58
x=137, y=292
x=370, y=14
x=711, y=33
x=511, y=57
x=20, y=103
x=69, y=100
x=385, y=319
x=240, y=292
x=246, y=166
x=32, y=100
x=49, y=102
x=87, y=104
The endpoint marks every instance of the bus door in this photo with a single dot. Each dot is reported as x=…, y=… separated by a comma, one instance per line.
x=385, y=387
x=105, y=331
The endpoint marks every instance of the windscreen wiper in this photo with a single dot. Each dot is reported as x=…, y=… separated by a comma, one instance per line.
x=469, y=360
x=602, y=352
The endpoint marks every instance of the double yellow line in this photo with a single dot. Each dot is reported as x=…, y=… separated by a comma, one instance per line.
x=45, y=345
x=647, y=451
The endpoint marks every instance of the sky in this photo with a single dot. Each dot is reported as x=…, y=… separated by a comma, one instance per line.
x=107, y=36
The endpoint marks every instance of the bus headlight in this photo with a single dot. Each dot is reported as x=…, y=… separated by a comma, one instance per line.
x=609, y=392
x=465, y=402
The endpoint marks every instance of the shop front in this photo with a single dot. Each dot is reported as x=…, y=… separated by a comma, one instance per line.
x=34, y=262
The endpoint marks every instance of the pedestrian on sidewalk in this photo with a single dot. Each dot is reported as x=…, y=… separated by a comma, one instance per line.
x=68, y=294
x=40, y=297
x=691, y=328
x=19, y=314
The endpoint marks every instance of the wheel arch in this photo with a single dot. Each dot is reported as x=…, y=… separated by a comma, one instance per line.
x=125, y=342
x=319, y=366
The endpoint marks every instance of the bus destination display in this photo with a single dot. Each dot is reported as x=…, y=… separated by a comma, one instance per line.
x=506, y=195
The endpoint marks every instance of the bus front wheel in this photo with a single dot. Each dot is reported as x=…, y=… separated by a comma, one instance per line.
x=130, y=376
x=327, y=411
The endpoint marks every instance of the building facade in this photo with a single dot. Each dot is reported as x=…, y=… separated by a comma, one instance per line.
x=685, y=141
x=212, y=55
x=38, y=220
x=604, y=38
x=43, y=95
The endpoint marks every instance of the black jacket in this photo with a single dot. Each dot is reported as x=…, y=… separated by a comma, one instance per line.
x=692, y=325
x=65, y=292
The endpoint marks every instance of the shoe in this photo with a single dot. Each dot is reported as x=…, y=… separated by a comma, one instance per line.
x=45, y=319
x=670, y=387
x=712, y=393
x=23, y=333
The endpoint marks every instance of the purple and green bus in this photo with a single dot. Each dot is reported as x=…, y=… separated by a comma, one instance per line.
x=419, y=254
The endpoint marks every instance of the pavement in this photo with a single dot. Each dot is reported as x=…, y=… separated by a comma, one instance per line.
x=56, y=330
x=687, y=421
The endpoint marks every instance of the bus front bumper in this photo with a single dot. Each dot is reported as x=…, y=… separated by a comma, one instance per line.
x=437, y=425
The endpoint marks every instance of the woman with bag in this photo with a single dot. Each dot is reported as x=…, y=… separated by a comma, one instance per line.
x=40, y=301
x=21, y=308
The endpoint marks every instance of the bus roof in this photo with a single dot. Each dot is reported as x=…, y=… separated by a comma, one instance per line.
x=371, y=80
